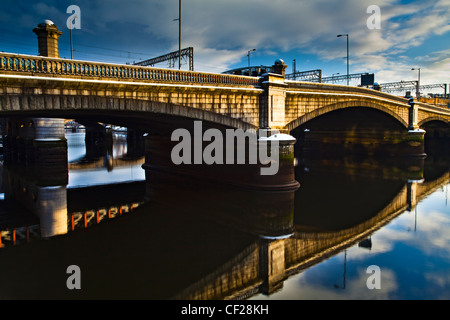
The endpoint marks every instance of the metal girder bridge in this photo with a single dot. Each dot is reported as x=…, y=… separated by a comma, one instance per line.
x=172, y=57
x=254, y=70
x=311, y=75
x=343, y=77
x=398, y=86
x=410, y=86
x=316, y=76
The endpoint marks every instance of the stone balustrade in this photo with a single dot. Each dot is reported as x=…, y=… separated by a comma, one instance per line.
x=56, y=67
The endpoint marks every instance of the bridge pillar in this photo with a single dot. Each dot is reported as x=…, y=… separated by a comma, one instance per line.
x=272, y=102
x=411, y=193
x=263, y=161
x=35, y=141
x=412, y=115
x=97, y=135
x=272, y=265
x=135, y=143
x=51, y=208
x=99, y=142
x=272, y=110
x=416, y=136
x=42, y=190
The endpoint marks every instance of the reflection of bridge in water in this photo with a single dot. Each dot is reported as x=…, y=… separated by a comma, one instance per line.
x=40, y=195
x=285, y=257
x=107, y=162
x=110, y=202
x=263, y=266
x=116, y=152
x=267, y=238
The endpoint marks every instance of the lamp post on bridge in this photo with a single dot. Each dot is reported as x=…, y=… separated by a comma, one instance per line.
x=418, y=83
x=348, y=73
x=248, y=55
x=179, y=34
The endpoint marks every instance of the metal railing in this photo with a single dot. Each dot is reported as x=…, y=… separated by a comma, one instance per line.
x=56, y=67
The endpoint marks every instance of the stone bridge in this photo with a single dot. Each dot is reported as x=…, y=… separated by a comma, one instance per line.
x=34, y=85
x=155, y=101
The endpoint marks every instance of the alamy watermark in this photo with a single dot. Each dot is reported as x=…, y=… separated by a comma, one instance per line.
x=74, y=21
x=238, y=146
x=374, y=280
x=374, y=21
x=74, y=280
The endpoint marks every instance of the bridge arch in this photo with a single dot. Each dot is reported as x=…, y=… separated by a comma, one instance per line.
x=437, y=131
x=439, y=119
x=343, y=105
x=124, y=111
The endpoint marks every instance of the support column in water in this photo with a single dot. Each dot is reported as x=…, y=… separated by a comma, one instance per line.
x=35, y=141
x=261, y=160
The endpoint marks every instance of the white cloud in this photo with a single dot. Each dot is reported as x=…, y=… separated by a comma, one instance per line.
x=222, y=31
x=300, y=287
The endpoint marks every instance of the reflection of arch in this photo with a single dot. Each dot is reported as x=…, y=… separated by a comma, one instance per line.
x=342, y=105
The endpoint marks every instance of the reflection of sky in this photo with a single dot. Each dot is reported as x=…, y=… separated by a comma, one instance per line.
x=120, y=145
x=77, y=178
x=100, y=176
x=412, y=251
x=76, y=147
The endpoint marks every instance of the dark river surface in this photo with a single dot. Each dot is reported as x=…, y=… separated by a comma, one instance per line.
x=355, y=229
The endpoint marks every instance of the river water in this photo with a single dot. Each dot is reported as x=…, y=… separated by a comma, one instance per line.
x=355, y=229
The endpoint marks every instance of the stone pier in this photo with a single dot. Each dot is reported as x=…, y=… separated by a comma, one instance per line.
x=41, y=189
x=35, y=141
x=257, y=160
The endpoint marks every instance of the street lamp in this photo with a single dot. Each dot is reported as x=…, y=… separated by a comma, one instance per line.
x=248, y=55
x=418, y=84
x=179, y=34
x=348, y=73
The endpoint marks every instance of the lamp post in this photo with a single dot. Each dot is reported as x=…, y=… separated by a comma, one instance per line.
x=248, y=55
x=348, y=73
x=418, y=83
x=179, y=34
x=71, y=45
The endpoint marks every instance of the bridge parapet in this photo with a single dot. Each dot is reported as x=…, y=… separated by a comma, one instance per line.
x=11, y=63
x=310, y=87
x=428, y=112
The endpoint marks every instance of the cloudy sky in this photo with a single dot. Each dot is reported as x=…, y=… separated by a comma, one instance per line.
x=412, y=33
